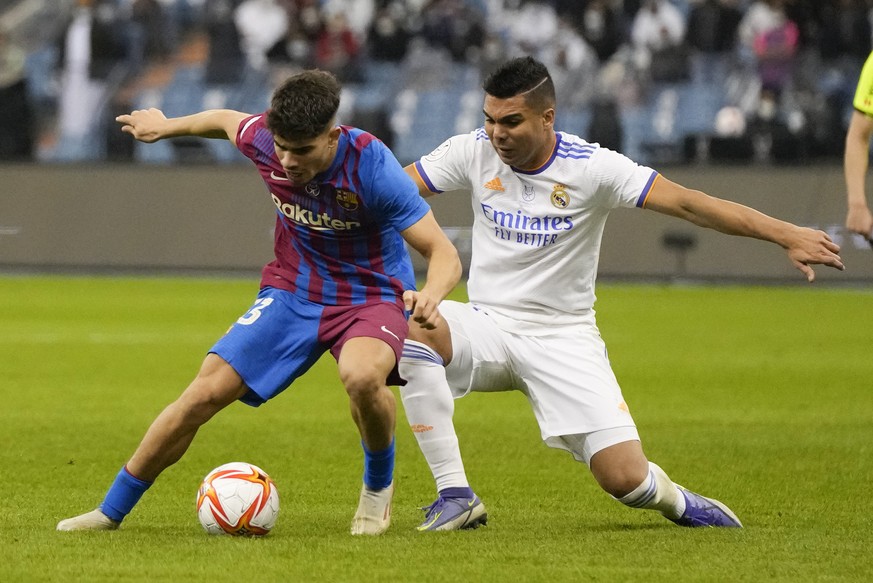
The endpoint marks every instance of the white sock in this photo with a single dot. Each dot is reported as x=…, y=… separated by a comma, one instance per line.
x=657, y=492
x=429, y=407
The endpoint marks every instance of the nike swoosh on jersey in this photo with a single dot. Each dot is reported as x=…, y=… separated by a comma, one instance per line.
x=386, y=330
x=275, y=176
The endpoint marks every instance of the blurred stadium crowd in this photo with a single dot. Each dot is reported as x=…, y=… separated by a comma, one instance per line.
x=664, y=81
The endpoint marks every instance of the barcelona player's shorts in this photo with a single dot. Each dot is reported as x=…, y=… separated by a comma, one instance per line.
x=282, y=335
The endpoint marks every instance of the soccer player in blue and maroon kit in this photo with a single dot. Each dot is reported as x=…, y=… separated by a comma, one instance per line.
x=342, y=280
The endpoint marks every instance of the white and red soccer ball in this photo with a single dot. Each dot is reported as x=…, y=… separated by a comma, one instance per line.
x=238, y=499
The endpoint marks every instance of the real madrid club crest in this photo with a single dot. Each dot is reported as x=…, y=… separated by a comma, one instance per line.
x=346, y=199
x=528, y=193
x=560, y=198
x=312, y=189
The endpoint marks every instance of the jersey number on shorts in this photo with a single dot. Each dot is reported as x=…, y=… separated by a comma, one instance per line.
x=255, y=313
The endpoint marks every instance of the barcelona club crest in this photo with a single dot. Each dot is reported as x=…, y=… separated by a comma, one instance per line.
x=347, y=200
x=560, y=198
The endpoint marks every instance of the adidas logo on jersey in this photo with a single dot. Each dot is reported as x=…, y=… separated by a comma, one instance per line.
x=495, y=184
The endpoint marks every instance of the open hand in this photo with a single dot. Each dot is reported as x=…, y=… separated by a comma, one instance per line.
x=146, y=125
x=812, y=247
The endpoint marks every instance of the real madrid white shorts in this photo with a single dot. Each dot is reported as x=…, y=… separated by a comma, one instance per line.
x=565, y=376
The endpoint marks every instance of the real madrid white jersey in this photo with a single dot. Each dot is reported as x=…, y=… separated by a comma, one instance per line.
x=536, y=234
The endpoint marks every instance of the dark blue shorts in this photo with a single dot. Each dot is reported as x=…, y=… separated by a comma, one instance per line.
x=282, y=336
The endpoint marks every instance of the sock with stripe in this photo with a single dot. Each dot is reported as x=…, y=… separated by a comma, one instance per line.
x=657, y=492
x=429, y=405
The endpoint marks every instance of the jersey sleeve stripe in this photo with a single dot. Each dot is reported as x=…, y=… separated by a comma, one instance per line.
x=419, y=169
x=644, y=195
x=248, y=124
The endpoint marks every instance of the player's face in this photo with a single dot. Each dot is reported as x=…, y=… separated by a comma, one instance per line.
x=303, y=159
x=522, y=137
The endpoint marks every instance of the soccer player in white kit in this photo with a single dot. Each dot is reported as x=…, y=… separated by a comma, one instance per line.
x=540, y=202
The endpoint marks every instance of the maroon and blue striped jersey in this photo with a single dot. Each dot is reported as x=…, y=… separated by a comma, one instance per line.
x=337, y=239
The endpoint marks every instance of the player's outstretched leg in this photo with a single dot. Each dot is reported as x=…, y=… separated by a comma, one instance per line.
x=624, y=472
x=216, y=386
x=122, y=496
x=703, y=511
x=681, y=506
x=454, y=509
x=373, y=516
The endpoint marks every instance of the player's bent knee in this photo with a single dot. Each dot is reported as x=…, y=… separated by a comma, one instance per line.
x=208, y=394
x=621, y=483
x=364, y=382
x=620, y=468
x=619, y=479
x=200, y=405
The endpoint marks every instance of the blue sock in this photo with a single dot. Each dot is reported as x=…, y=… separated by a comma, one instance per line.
x=123, y=495
x=378, y=467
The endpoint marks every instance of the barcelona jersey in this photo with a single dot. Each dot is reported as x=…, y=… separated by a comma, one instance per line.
x=337, y=238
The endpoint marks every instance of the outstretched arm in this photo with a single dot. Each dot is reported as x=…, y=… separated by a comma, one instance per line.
x=859, y=219
x=804, y=246
x=443, y=269
x=151, y=125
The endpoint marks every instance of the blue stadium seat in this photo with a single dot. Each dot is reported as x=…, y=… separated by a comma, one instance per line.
x=574, y=121
x=699, y=105
x=39, y=68
x=637, y=125
x=184, y=94
x=433, y=120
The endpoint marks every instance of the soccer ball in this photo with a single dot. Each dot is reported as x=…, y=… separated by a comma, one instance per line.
x=238, y=499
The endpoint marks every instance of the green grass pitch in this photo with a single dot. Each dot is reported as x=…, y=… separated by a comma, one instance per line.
x=758, y=396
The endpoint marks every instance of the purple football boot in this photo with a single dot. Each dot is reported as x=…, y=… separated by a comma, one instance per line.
x=703, y=511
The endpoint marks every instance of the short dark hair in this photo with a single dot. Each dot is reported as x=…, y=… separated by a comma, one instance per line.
x=304, y=105
x=522, y=75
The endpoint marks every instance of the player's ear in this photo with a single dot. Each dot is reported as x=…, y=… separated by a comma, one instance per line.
x=549, y=118
x=333, y=136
